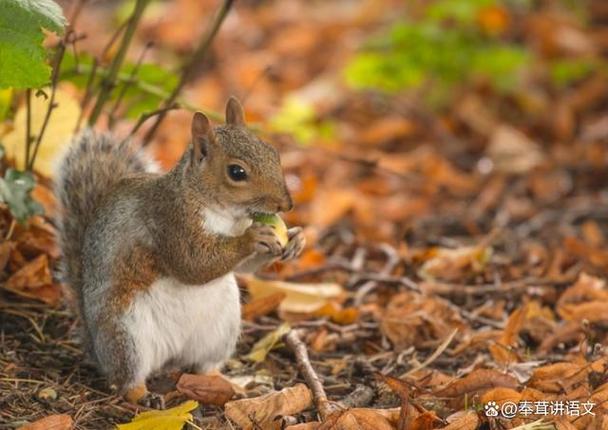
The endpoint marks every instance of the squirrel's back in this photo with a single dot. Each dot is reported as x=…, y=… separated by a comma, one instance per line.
x=92, y=166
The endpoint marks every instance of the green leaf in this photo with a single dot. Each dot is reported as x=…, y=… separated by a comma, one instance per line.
x=22, y=56
x=15, y=189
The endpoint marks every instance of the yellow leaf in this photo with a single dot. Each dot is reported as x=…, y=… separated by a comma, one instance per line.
x=263, y=346
x=56, y=137
x=300, y=298
x=169, y=419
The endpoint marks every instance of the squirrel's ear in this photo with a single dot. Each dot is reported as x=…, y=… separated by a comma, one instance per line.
x=202, y=136
x=234, y=112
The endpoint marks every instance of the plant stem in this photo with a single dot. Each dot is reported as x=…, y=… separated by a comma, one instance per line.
x=189, y=68
x=127, y=84
x=108, y=83
x=28, y=125
x=69, y=32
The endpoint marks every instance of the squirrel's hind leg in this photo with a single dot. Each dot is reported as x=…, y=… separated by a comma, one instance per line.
x=124, y=366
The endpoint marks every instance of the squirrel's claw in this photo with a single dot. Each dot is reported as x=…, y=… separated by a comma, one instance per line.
x=295, y=245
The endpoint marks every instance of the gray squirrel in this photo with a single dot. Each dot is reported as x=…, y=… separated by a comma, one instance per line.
x=151, y=257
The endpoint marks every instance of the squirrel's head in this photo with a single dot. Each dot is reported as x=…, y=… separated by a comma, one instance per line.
x=233, y=168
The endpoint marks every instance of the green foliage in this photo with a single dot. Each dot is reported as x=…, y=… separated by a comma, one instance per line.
x=22, y=56
x=569, y=70
x=298, y=118
x=15, y=189
x=444, y=48
x=150, y=85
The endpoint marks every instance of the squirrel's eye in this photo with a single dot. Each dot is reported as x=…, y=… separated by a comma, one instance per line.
x=236, y=172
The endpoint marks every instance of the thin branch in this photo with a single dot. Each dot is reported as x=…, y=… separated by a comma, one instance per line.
x=433, y=356
x=293, y=341
x=108, y=83
x=69, y=32
x=88, y=94
x=129, y=83
x=147, y=115
x=188, y=71
x=28, y=125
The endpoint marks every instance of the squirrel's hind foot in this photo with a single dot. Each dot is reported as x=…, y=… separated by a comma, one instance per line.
x=139, y=395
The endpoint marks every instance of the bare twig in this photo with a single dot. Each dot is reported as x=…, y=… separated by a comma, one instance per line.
x=147, y=115
x=109, y=81
x=293, y=341
x=188, y=70
x=433, y=356
x=129, y=83
x=69, y=33
x=28, y=124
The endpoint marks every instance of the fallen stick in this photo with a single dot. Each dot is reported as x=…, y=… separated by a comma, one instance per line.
x=293, y=341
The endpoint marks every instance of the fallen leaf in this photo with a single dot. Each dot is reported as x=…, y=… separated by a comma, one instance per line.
x=57, y=134
x=479, y=379
x=412, y=319
x=300, y=298
x=469, y=420
x=262, y=411
x=454, y=264
x=52, y=422
x=168, y=419
x=34, y=274
x=356, y=419
x=511, y=151
x=263, y=346
x=207, y=389
x=262, y=305
x=338, y=314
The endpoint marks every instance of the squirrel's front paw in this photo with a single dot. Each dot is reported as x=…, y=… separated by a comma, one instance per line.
x=295, y=245
x=265, y=241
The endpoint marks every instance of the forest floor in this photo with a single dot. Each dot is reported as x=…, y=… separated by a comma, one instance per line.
x=456, y=262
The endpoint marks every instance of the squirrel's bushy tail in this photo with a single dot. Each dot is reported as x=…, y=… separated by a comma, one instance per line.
x=92, y=165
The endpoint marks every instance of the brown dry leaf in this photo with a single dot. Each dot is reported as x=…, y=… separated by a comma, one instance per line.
x=300, y=298
x=313, y=425
x=329, y=206
x=262, y=305
x=400, y=388
x=469, y=420
x=264, y=409
x=52, y=422
x=5, y=252
x=501, y=351
x=557, y=377
x=500, y=395
x=207, y=389
x=511, y=151
x=455, y=264
x=424, y=421
x=34, y=274
x=386, y=129
x=34, y=281
x=479, y=379
x=356, y=419
x=412, y=318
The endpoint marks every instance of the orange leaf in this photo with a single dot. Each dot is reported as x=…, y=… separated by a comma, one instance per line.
x=479, y=379
x=262, y=305
x=468, y=421
x=356, y=419
x=52, y=422
x=34, y=274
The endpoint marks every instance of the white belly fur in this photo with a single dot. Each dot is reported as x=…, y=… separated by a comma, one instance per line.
x=193, y=325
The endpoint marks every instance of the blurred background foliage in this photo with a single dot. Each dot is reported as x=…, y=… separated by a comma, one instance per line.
x=444, y=44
